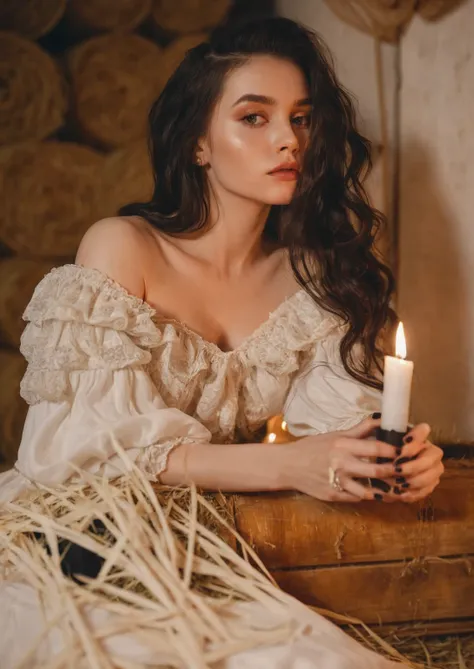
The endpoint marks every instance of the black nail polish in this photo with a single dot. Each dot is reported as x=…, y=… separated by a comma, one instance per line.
x=400, y=479
x=383, y=461
x=397, y=491
x=399, y=451
x=408, y=439
x=405, y=485
x=380, y=485
x=398, y=470
x=378, y=497
x=401, y=461
x=376, y=415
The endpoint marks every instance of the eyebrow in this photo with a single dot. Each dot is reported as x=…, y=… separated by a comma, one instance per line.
x=265, y=100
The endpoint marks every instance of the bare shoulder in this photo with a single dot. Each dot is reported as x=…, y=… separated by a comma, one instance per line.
x=116, y=247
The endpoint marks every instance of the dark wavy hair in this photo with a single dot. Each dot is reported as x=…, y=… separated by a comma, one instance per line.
x=329, y=226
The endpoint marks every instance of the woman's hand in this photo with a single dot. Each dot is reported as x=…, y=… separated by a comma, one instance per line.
x=417, y=478
x=310, y=460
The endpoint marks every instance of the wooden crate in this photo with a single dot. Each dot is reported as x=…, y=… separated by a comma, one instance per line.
x=385, y=564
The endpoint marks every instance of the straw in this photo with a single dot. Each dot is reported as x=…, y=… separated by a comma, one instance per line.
x=188, y=16
x=163, y=554
x=31, y=18
x=50, y=193
x=18, y=278
x=95, y=16
x=33, y=101
x=115, y=80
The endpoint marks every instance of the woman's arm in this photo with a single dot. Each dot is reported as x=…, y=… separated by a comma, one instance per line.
x=303, y=465
x=228, y=467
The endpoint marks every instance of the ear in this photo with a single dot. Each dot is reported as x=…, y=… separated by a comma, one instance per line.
x=202, y=153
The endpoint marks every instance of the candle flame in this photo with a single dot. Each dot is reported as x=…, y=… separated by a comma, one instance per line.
x=400, y=342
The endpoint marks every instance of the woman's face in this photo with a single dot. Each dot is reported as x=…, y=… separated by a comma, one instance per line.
x=260, y=124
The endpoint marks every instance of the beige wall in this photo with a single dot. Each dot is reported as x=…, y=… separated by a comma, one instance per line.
x=437, y=217
x=436, y=202
x=353, y=53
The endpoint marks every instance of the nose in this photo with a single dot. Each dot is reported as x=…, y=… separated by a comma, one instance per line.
x=286, y=139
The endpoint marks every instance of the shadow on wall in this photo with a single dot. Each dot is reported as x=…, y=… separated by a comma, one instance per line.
x=433, y=301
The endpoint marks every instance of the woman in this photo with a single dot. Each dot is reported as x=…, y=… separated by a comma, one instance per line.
x=159, y=337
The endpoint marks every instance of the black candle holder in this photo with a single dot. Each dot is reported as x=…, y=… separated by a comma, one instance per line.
x=392, y=437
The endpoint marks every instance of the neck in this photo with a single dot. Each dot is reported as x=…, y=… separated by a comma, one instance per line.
x=233, y=239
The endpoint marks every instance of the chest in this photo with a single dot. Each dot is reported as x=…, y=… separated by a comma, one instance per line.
x=225, y=313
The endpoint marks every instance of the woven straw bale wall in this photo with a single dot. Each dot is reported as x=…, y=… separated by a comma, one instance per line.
x=78, y=79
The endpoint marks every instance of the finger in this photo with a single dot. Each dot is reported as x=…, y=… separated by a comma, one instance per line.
x=352, y=466
x=427, y=459
x=426, y=479
x=366, y=449
x=413, y=448
x=415, y=438
x=413, y=496
x=382, y=485
x=358, y=489
x=382, y=488
x=363, y=429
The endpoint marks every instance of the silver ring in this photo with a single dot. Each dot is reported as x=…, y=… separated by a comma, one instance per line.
x=334, y=480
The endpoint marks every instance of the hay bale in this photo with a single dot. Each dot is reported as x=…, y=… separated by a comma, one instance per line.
x=384, y=19
x=13, y=409
x=115, y=81
x=96, y=16
x=175, y=53
x=5, y=252
x=128, y=176
x=31, y=18
x=18, y=278
x=188, y=16
x=432, y=10
x=33, y=100
x=50, y=193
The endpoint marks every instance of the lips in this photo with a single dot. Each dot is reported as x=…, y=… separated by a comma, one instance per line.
x=286, y=172
x=286, y=167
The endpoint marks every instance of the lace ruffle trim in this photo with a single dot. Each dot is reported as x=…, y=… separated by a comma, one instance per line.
x=153, y=461
x=72, y=293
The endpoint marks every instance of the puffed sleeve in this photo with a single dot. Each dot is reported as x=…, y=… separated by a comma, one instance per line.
x=323, y=396
x=87, y=343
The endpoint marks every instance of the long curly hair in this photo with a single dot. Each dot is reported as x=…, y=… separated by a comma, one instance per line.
x=329, y=227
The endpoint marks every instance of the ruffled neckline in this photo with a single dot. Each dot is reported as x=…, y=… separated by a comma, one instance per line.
x=142, y=306
x=99, y=324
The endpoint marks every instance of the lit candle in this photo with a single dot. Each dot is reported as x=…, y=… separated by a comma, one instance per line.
x=398, y=374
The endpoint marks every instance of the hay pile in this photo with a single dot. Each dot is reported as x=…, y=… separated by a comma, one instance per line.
x=167, y=573
x=32, y=91
x=31, y=18
x=173, y=568
x=424, y=652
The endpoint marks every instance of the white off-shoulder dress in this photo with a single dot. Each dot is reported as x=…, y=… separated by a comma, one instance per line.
x=105, y=368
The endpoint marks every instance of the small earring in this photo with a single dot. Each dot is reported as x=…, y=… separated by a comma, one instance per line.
x=198, y=162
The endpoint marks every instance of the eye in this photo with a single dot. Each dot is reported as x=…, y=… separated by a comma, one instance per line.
x=302, y=121
x=254, y=120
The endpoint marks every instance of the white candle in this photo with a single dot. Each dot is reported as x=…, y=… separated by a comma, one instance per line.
x=398, y=374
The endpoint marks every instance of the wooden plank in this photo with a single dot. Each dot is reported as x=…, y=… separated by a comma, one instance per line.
x=294, y=530
x=389, y=592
